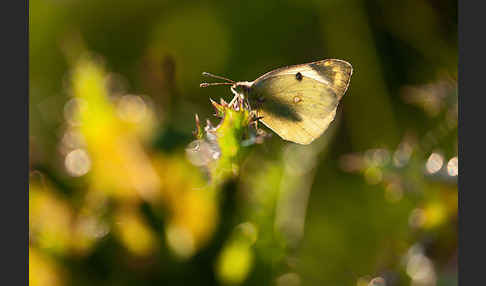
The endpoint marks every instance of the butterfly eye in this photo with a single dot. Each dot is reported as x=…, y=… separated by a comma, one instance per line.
x=298, y=76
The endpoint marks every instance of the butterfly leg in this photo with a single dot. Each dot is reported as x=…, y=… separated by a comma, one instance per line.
x=235, y=98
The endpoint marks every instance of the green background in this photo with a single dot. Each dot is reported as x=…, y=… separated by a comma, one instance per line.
x=363, y=201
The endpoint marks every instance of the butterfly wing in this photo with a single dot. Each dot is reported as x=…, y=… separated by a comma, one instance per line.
x=299, y=102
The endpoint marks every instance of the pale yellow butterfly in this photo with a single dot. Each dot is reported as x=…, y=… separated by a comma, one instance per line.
x=296, y=102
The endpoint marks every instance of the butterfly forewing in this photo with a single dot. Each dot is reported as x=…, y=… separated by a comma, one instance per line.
x=299, y=102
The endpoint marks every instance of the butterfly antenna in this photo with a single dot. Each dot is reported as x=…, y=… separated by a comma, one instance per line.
x=217, y=76
x=205, y=84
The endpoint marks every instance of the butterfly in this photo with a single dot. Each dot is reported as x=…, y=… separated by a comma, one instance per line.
x=296, y=102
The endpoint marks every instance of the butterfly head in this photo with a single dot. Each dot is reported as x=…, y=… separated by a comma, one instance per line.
x=241, y=87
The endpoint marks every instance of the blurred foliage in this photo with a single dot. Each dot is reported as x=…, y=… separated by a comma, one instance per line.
x=123, y=191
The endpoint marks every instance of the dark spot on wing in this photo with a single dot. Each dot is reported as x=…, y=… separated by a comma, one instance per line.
x=298, y=76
